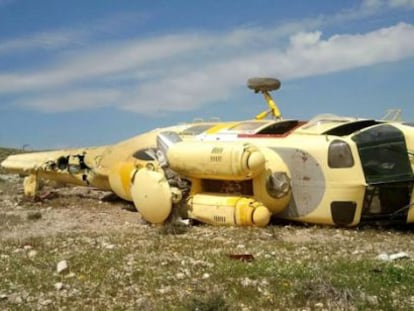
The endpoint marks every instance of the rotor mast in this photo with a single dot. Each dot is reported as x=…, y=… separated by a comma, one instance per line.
x=264, y=86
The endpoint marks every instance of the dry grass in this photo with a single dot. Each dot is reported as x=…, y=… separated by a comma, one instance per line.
x=140, y=267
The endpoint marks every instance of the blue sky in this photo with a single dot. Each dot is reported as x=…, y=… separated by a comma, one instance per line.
x=78, y=73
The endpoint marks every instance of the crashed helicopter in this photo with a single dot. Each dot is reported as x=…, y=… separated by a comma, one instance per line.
x=329, y=170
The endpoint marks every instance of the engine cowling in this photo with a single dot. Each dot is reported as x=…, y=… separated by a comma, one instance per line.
x=219, y=209
x=216, y=160
x=152, y=195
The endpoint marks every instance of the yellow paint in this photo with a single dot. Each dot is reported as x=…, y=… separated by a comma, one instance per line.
x=125, y=174
x=30, y=185
x=273, y=108
x=244, y=212
x=272, y=105
x=217, y=128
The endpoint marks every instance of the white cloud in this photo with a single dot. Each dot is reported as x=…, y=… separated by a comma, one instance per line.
x=74, y=100
x=376, y=4
x=306, y=56
x=77, y=35
x=98, y=62
x=177, y=72
x=402, y=3
x=372, y=4
x=184, y=85
x=44, y=40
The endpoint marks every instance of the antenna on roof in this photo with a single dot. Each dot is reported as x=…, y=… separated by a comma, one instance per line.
x=264, y=86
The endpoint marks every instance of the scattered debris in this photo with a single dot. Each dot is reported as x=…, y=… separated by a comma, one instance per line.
x=46, y=196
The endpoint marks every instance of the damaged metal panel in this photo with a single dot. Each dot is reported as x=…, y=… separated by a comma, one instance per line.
x=307, y=178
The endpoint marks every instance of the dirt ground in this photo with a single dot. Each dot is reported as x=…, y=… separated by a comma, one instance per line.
x=62, y=210
x=75, y=210
x=295, y=266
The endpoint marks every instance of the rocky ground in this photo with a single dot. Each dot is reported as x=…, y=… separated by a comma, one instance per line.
x=76, y=248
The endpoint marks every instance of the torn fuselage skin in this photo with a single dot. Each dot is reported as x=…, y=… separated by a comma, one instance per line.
x=63, y=168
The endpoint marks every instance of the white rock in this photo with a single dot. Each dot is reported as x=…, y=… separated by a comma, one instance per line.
x=180, y=276
x=45, y=302
x=59, y=285
x=392, y=257
x=27, y=247
x=383, y=257
x=16, y=299
x=373, y=300
x=70, y=275
x=109, y=246
x=3, y=296
x=399, y=255
x=62, y=266
x=205, y=276
x=319, y=305
x=246, y=282
x=32, y=253
x=164, y=290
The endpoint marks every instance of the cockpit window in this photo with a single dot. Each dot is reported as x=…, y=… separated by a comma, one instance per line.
x=349, y=128
x=323, y=119
x=247, y=126
x=279, y=128
x=147, y=154
x=196, y=129
x=383, y=154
